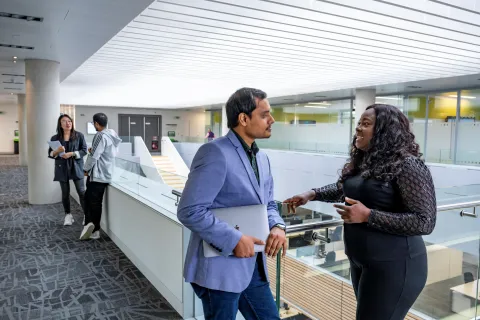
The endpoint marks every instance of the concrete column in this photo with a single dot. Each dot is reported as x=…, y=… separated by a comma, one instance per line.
x=42, y=100
x=363, y=99
x=22, y=128
x=224, y=121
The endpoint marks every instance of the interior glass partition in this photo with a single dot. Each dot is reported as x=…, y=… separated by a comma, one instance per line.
x=213, y=121
x=468, y=147
x=322, y=127
x=441, y=126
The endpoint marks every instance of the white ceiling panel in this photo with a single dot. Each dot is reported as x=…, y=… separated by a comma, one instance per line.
x=179, y=53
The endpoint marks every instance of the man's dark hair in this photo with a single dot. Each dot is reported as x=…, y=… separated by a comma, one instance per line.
x=242, y=101
x=101, y=119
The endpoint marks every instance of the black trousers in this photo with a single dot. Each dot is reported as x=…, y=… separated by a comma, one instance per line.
x=93, y=203
x=79, y=186
x=386, y=290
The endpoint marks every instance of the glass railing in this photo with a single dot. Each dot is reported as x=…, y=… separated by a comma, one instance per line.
x=324, y=148
x=314, y=277
x=190, y=139
x=148, y=183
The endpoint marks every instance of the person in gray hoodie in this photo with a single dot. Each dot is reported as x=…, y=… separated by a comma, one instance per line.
x=99, y=169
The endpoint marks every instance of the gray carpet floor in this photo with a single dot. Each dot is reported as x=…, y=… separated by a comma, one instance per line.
x=46, y=273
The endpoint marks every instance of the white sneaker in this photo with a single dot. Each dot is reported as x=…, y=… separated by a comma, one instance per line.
x=87, y=231
x=68, y=220
x=95, y=235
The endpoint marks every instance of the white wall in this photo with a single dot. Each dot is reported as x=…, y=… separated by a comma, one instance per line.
x=190, y=124
x=8, y=124
x=137, y=228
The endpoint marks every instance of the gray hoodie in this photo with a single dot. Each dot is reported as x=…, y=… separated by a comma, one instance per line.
x=101, y=158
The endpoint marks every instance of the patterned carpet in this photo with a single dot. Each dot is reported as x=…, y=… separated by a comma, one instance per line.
x=46, y=273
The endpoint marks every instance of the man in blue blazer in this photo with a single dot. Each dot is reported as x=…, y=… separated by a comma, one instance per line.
x=232, y=172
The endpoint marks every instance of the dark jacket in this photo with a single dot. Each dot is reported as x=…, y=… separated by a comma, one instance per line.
x=79, y=146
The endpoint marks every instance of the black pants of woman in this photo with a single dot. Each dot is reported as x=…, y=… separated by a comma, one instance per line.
x=79, y=186
x=386, y=290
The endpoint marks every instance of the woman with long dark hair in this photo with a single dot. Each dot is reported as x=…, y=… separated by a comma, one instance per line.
x=69, y=162
x=389, y=204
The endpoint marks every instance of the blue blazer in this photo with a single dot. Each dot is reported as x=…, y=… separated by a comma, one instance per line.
x=221, y=176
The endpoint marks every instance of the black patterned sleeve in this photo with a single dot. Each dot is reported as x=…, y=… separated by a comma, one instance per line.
x=418, y=194
x=329, y=193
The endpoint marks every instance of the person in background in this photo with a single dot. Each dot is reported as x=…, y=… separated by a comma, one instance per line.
x=232, y=172
x=98, y=169
x=210, y=135
x=389, y=204
x=69, y=163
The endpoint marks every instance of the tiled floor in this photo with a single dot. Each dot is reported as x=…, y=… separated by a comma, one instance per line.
x=46, y=273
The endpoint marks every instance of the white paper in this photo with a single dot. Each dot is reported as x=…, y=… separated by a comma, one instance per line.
x=55, y=145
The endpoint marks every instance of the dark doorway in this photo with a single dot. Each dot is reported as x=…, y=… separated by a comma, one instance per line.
x=149, y=127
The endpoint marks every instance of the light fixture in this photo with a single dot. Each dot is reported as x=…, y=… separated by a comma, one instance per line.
x=463, y=97
x=14, y=58
x=14, y=61
x=324, y=103
x=13, y=46
x=317, y=107
x=11, y=93
x=20, y=17
x=388, y=98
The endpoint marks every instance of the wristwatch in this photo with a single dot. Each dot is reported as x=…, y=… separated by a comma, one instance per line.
x=280, y=226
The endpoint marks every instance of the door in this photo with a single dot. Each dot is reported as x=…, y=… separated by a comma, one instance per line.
x=153, y=132
x=124, y=128
x=136, y=126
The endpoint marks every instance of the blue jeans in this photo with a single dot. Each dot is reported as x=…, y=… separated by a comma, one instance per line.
x=255, y=303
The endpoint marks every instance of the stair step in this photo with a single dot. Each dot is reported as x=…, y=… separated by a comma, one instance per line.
x=173, y=179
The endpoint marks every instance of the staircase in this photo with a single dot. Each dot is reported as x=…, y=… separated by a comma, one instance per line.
x=167, y=171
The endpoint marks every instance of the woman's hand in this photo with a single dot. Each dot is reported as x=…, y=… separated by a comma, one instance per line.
x=299, y=200
x=59, y=150
x=67, y=155
x=356, y=213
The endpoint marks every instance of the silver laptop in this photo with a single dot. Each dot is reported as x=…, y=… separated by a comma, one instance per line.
x=249, y=220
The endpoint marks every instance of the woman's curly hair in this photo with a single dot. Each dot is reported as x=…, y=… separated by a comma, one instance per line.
x=392, y=142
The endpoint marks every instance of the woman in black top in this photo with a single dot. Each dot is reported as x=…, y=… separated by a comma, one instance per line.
x=389, y=203
x=69, y=162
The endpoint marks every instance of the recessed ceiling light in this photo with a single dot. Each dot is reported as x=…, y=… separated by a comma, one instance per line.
x=324, y=103
x=317, y=107
x=11, y=92
x=463, y=97
x=20, y=16
x=13, y=75
x=5, y=45
x=14, y=57
x=388, y=98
